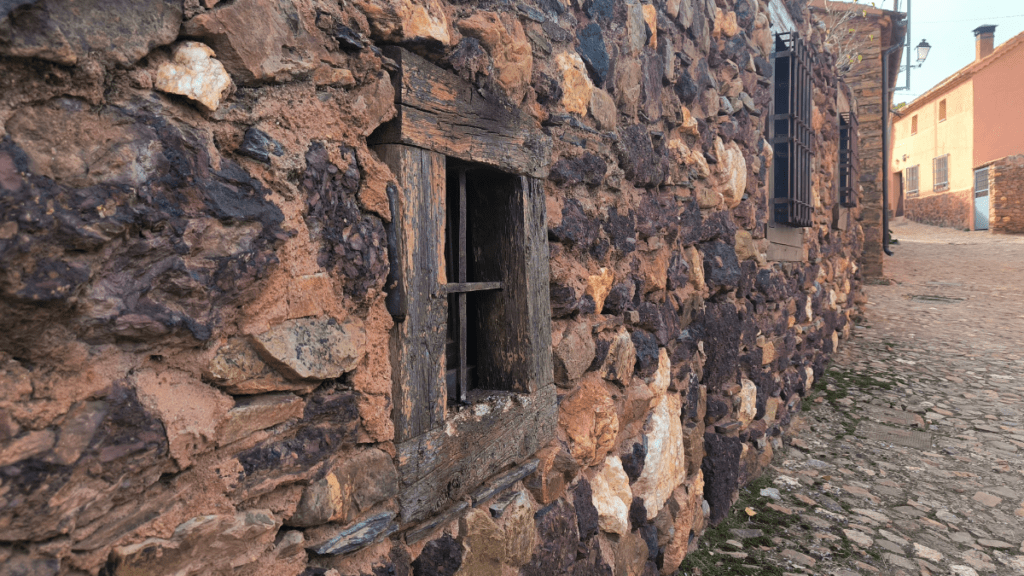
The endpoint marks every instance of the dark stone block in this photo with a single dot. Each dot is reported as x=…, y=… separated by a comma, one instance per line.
x=555, y=32
x=586, y=512
x=646, y=352
x=705, y=79
x=745, y=287
x=652, y=68
x=593, y=52
x=693, y=399
x=619, y=299
x=601, y=10
x=717, y=408
x=686, y=88
x=470, y=60
x=65, y=238
x=721, y=473
x=649, y=532
x=721, y=344
x=256, y=144
x=563, y=301
x=746, y=11
x=548, y=89
x=721, y=268
x=654, y=217
x=764, y=67
x=638, y=514
x=589, y=168
x=621, y=229
x=772, y=284
x=636, y=154
x=735, y=48
x=650, y=317
x=601, y=347
x=441, y=557
x=348, y=39
x=576, y=229
x=354, y=243
x=590, y=562
x=633, y=463
x=558, y=539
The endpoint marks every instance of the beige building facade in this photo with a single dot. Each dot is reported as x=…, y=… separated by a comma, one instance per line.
x=942, y=139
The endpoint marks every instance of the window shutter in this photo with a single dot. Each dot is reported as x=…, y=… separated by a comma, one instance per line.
x=849, y=159
x=416, y=296
x=510, y=246
x=792, y=132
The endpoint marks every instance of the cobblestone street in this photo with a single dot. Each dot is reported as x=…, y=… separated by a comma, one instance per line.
x=909, y=455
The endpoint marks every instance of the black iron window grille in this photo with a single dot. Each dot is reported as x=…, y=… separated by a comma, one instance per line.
x=940, y=172
x=849, y=159
x=913, y=181
x=791, y=132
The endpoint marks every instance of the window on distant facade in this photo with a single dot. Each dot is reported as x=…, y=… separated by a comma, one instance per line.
x=942, y=110
x=472, y=387
x=940, y=172
x=913, y=124
x=791, y=133
x=912, y=181
x=849, y=162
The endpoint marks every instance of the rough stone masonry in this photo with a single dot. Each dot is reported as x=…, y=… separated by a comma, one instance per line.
x=196, y=371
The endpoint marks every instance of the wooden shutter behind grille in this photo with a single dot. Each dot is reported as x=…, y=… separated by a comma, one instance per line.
x=791, y=139
x=849, y=159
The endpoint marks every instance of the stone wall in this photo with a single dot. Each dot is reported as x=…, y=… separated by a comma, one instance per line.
x=870, y=33
x=949, y=209
x=1006, y=192
x=194, y=232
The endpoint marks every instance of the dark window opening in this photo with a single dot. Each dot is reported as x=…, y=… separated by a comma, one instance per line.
x=477, y=234
x=791, y=133
x=849, y=160
x=942, y=111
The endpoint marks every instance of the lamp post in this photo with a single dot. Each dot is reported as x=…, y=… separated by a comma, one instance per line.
x=922, y=53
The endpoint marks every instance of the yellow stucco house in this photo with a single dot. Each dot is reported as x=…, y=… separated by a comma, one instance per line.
x=946, y=141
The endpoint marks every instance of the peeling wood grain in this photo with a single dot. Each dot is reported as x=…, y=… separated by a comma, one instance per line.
x=442, y=466
x=439, y=111
x=417, y=340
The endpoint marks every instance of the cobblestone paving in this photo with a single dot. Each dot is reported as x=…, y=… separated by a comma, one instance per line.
x=909, y=457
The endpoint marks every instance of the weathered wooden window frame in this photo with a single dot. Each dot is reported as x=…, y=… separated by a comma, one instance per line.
x=450, y=456
x=792, y=204
x=849, y=159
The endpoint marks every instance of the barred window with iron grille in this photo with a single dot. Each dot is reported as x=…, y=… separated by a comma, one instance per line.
x=912, y=181
x=849, y=160
x=791, y=132
x=940, y=172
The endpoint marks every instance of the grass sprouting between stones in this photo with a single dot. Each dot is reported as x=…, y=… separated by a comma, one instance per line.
x=708, y=559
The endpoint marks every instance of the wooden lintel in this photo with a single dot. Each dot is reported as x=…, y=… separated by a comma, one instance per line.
x=439, y=111
x=442, y=466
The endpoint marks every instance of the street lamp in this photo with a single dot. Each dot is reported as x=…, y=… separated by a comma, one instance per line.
x=922, y=50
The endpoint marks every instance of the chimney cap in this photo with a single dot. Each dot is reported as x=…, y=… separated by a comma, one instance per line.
x=986, y=29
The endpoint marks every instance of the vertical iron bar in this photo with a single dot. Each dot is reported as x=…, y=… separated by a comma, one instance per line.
x=463, y=332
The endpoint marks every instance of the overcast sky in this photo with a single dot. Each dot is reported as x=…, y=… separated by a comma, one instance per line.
x=948, y=25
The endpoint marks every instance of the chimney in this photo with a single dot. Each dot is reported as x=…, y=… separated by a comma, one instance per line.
x=984, y=40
